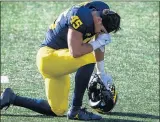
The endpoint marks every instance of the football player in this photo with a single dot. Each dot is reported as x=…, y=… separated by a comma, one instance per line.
x=74, y=42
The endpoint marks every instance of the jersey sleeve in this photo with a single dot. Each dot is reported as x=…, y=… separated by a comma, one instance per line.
x=80, y=19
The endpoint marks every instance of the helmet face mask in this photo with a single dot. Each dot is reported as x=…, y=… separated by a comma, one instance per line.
x=101, y=99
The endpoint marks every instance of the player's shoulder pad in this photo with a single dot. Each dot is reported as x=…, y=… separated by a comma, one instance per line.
x=85, y=15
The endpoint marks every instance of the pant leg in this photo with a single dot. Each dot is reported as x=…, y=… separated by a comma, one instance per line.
x=60, y=62
x=57, y=92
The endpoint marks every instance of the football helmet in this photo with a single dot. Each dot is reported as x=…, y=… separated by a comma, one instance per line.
x=101, y=99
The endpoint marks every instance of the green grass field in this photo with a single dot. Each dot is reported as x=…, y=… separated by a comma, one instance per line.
x=132, y=58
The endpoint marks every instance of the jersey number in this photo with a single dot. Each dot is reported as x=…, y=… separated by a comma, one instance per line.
x=76, y=22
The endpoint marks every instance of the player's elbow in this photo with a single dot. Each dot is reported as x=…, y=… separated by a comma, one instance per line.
x=75, y=54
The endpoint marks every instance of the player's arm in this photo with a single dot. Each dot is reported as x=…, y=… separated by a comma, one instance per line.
x=75, y=44
x=99, y=55
x=100, y=66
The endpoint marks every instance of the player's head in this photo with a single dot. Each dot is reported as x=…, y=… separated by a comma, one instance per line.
x=98, y=25
x=110, y=20
x=106, y=21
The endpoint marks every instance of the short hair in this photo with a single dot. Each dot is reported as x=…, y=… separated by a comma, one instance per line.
x=110, y=20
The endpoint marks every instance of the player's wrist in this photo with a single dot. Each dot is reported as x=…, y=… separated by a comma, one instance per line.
x=102, y=49
x=100, y=67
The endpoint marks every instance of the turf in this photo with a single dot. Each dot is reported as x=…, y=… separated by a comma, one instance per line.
x=132, y=58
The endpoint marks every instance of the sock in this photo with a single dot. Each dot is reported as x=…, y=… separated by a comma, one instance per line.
x=82, y=78
x=37, y=105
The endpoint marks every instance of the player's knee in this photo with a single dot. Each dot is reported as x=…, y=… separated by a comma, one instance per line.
x=59, y=111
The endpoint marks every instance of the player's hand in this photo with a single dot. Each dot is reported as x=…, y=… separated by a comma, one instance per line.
x=101, y=41
x=106, y=79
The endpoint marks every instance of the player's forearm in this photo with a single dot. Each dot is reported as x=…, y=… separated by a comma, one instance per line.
x=99, y=55
x=81, y=50
x=88, y=48
x=77, y=48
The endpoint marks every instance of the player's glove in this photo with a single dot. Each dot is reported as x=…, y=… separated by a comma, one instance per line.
x=100, y=41
x=106, y=79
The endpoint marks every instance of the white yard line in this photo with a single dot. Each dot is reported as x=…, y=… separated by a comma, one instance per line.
x=4, y=79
